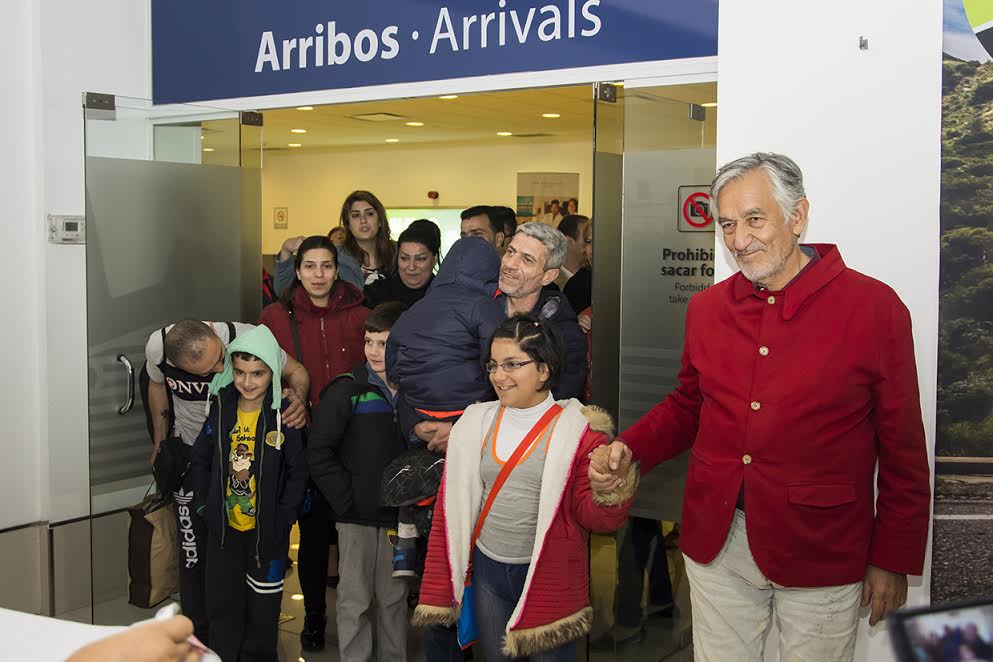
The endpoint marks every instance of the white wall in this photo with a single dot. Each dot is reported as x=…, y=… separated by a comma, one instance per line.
x=56, y=50
x=864, y=126
x=96, y=46
x=314, y=184
x=21, y=270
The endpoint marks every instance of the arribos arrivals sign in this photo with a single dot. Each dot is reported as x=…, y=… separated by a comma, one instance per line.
x=238, y=48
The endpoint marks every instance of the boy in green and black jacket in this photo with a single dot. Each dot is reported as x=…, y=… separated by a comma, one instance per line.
x=355, y=434
x=249, y=476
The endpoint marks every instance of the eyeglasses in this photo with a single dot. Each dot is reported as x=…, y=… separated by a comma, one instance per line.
x=508, y=366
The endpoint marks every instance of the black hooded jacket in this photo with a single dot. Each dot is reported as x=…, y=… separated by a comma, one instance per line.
x=434, y=352
x=281, y=474
x=354, y=437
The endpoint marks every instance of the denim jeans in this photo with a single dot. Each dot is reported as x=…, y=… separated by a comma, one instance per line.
x=442, y=645
x=498, y=587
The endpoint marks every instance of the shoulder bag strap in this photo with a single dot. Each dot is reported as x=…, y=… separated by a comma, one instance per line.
x=508, y=466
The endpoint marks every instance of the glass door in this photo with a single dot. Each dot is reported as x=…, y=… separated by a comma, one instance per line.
x=173, y=231
x=653, y=238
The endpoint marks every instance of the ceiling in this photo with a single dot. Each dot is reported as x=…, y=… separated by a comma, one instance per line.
x=469, y=118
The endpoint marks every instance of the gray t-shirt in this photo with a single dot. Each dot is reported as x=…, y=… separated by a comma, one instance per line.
x=509, y=530
x=189, y=396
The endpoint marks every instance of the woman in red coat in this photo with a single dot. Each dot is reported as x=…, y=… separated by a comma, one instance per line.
x=319, y=321
x=529, y=564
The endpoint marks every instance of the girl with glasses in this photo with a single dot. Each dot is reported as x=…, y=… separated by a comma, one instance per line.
x=516, y=508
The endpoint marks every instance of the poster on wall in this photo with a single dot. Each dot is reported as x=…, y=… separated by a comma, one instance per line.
x=962, y=552
x=547, y=196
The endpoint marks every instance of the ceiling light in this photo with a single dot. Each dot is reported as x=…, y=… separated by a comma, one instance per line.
x=203, y=137
x=504, y=133
x=305, y=107
x=449, y=96
x=551, y=116
x=297, y=596
x=295, y=546
x=294, y=145
x=392, y=140
x=208, y=149
x=712, y=104
x=298, y=130
x=415, y=123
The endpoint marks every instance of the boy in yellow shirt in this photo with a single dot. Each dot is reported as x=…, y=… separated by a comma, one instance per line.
x=251, y=474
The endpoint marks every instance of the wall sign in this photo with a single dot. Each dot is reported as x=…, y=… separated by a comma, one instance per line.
x=239, y=48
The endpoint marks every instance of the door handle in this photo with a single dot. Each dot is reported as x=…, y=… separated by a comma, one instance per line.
x=130, y=377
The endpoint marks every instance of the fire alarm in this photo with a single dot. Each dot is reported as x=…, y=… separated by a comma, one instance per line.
x=432, y=195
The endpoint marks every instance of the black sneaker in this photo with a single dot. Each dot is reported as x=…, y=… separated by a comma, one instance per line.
x=312, y=636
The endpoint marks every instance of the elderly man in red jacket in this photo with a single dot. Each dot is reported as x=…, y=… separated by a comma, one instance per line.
x=797, y=379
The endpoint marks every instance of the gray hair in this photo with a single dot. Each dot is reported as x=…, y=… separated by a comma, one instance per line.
x=785, y=179
x=553, y=240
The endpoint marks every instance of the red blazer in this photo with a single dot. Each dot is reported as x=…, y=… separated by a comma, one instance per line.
x=799, y=393
x=332, y=338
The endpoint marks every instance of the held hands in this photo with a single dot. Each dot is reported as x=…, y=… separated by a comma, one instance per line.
x=608, y=466
x=295, y=415
x=886, y=591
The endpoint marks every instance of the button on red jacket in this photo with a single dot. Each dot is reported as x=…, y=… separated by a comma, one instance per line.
x=332, y=338
x=799, y=393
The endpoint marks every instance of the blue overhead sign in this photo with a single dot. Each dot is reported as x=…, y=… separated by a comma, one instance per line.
x=239, y=48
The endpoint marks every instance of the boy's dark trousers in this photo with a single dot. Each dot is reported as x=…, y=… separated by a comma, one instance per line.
x=243, y=599
x=317, y=534
x=191, y=530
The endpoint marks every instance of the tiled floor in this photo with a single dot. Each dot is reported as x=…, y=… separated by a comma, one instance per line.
x=659, y=642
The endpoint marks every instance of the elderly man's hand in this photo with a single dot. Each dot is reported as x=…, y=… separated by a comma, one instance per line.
x=886, y=591
x=609, y=465
x=439, y=443
x=295, y=415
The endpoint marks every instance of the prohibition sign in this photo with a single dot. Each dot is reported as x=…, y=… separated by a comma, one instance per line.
x=701, y=218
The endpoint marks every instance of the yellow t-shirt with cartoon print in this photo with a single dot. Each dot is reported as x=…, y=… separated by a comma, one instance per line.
x=240, y=494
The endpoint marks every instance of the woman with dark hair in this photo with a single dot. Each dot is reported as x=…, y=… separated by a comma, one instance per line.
x=417, y=257
x=367, y=235
x=515, y=509
x=367, y=253
x=319, y=322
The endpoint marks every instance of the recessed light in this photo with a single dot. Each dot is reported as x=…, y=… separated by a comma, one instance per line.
x=294, y=145
x=551, y=116
x=415, y=123
x=298, y=130
x=208, y=149
x=504, y=133
x=392, y=140
x=305, y=107
x=297, y=596
x=203, y=137
x=712, y=104
x=449, y=96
